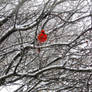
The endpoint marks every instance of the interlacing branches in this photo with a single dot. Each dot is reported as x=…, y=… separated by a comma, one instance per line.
x=65, y=57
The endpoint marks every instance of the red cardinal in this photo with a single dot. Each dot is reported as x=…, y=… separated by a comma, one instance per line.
x=42, y=37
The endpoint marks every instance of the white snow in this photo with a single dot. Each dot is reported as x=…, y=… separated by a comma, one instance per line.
x=8, y=88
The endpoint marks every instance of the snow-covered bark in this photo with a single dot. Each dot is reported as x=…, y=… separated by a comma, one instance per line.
x=64, y=62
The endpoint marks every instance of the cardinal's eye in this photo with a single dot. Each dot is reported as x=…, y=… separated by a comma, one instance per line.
x=43, y=32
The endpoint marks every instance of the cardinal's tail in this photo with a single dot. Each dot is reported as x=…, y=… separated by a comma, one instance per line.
x=38, y=50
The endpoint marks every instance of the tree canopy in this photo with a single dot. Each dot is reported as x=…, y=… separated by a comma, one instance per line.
x=64, y=63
